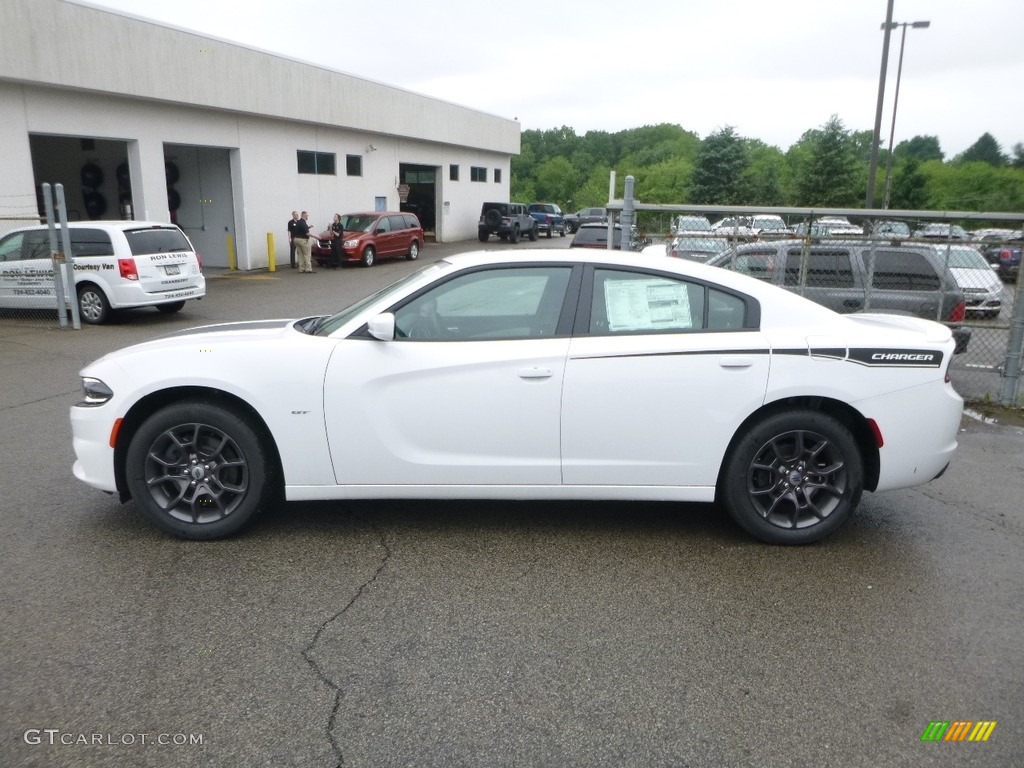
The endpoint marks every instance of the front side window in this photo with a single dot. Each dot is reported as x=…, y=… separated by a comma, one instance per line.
x=641, y=303
x=506, y=303
x=825, y=269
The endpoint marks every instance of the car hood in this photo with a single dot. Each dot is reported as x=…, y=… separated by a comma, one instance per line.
x=976, y=278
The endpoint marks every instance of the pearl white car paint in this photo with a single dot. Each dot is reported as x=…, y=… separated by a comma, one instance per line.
x=635, y=415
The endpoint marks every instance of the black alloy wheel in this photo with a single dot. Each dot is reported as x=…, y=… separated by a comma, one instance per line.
x=197, y=470
x=794, y=478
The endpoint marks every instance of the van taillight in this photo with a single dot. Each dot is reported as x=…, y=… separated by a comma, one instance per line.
x=128, y=269
x=1006, y=255
x=959, y=313
x=200, y=260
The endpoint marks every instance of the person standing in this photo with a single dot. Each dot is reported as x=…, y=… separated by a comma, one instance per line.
x=291, y=237
x=300, y=237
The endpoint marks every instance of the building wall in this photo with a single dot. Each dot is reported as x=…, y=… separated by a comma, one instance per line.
x=71, y=70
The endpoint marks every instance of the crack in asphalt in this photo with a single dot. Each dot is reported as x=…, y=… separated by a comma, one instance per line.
x=308, y=650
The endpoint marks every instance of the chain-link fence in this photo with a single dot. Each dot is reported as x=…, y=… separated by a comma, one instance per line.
x=959, y=269
x=26, y=276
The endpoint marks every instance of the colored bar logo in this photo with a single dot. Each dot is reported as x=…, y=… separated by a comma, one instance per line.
x=958, y=730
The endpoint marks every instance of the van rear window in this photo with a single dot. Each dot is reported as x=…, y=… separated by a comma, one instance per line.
x=144, y=242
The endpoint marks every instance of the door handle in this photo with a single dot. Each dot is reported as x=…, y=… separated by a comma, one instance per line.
x=535, y=372
x=851, y=302
x=736, y=361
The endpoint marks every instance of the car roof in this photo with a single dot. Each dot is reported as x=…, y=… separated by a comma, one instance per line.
x=119, y=224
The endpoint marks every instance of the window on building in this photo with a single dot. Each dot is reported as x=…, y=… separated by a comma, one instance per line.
x=453, y=172
x=354, y=165
x=316, y=162
x=477, y=174
x=497, y=175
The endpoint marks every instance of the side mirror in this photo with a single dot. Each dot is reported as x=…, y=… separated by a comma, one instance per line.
x=382, y=327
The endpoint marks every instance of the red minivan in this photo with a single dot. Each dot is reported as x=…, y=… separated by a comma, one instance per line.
x=368, y=237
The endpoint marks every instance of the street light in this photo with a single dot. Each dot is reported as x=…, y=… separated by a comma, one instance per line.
x=896, y=99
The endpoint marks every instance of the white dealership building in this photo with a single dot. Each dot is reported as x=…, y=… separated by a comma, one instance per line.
x=141, y=120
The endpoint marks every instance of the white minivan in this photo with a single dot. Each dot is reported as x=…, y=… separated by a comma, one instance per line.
x=117, y=265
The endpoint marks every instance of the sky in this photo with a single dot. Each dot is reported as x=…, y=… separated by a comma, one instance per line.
x=771, y=70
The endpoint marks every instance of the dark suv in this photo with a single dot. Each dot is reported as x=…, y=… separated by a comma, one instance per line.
x=905, y=278
x=509, y=221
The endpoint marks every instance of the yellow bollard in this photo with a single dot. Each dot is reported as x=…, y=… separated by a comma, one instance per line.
x=232, y=265
x=271, y=260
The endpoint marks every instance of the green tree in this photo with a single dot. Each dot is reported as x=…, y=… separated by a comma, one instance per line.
x=826, y=171
x=718, y=169
x=921, y=148
x=556, y=181
x=766, y=176
x=985, y=150
x=909, y=190
x=1018, y=155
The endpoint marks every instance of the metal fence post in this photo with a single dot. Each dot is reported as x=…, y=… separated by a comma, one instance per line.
x=69, y=258
x=1014, y=349
x=56, y=258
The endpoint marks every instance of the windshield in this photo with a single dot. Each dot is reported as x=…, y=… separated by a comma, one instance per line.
x=357, y=222
x=334, y=322
x=965, y=258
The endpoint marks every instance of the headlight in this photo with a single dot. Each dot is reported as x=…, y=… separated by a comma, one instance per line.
x=350, y=243
x=96, y=392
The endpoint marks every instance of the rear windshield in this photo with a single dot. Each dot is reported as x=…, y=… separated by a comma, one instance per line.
x=143, y=242
x=595, y=236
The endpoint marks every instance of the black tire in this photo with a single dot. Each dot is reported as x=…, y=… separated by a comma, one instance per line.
x=198, y=470
x=414, y=251
x=170, y=309
x=513, y=236
x=93, y=307
x=533, y=233
x=482, y=235
x=492, y=218
x=793, y=478
x=369, y=256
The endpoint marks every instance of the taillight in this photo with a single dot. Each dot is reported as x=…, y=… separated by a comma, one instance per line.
x=1006, y=255
x=959, y=313
x=128, y=269
x=200, y=260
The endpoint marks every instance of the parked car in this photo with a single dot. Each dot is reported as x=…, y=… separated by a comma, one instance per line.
x=586, y=216
x=907, y=278
x=117, y=265
x=943, y=231
x=691, y=225
x=736, y=227
x=619, y=378
x=765, y=226
x=368, y=237
x=596, y=236
x=697, y=248
x=509, y=221
x=891, y=229
x=827, y=226
x=1001, y=248
x=983, y=290
x=549, y=218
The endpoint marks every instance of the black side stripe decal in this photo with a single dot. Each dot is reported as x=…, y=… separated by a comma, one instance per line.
x=871, y=356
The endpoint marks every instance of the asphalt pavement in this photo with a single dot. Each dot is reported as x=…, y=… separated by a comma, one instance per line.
x=484, y=633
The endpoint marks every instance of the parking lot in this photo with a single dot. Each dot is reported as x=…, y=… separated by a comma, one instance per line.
x=484, y=633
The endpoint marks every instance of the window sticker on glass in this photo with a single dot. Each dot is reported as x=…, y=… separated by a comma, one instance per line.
x=635, y=305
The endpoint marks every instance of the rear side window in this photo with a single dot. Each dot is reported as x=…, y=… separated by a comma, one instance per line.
x=828, y=269
x=91, y=242
x=143, y=242
x=903, y=271
x=410, y=221
x=758, y=264
x=397, y=223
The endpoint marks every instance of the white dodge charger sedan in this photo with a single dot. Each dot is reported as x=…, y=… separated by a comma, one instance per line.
x=543, y=375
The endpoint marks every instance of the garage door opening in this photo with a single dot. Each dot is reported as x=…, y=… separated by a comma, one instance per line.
x=94, y=172
x=422, y=200
x=200, y=198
